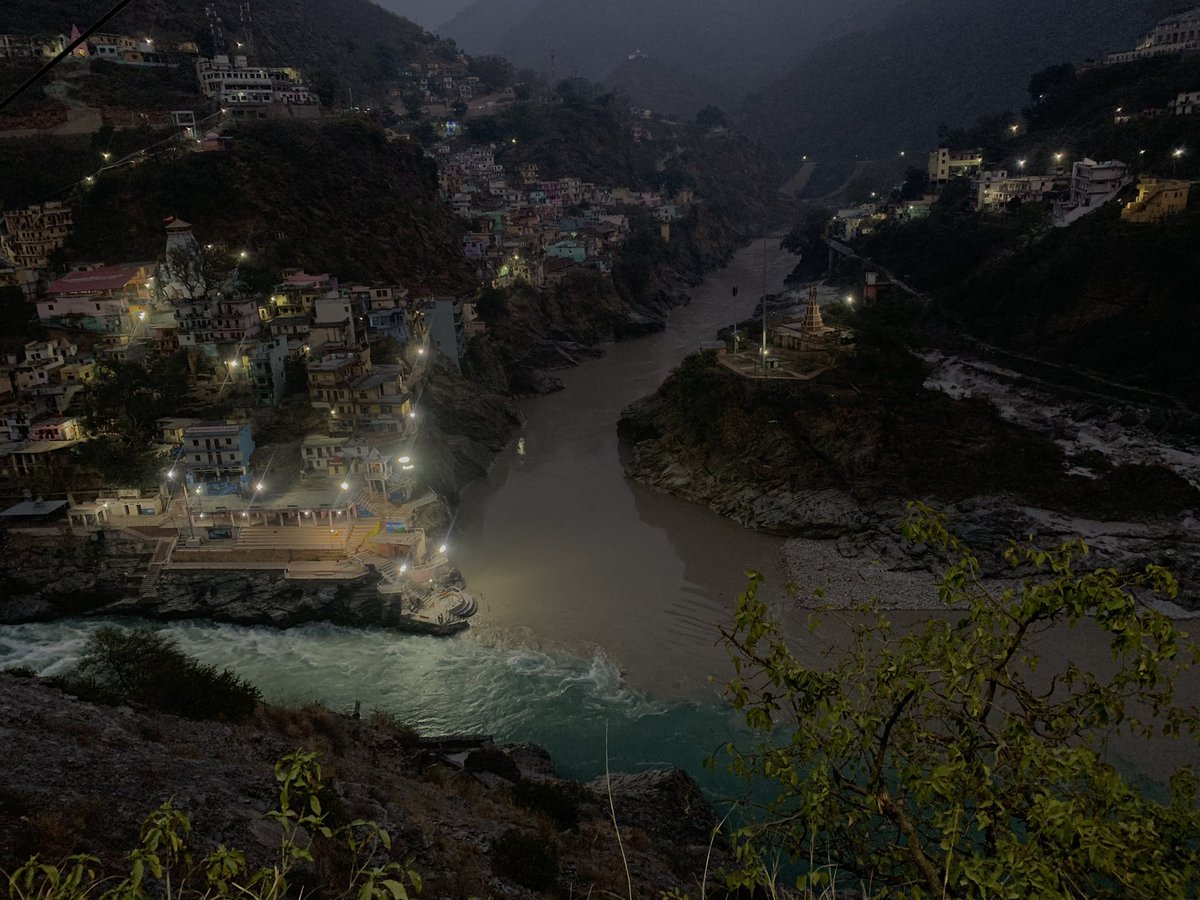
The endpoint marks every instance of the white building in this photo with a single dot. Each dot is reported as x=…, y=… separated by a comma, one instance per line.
x=945, y=164
x=236, y=83
x=1179, y=33
x=1094, y=183
x=996, y=189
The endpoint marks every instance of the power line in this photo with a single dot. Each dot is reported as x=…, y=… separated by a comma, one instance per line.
x=66, y=51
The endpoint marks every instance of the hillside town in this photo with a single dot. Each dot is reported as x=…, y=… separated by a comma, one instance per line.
x=338, y=491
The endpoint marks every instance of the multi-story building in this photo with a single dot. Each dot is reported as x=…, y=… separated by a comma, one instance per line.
x=1175, y=34
x=233, y=82
x=946, y=164
x=235, y=320
x=446, y=327
x=268, y=371
x=297, y=293
x=1157, y=199
x=106, y=299
x=330, y=377
x=1094, y=183
x=334, y=322
x=216, y=458
x=327, y=455
x=995, y=190
x=35, y=232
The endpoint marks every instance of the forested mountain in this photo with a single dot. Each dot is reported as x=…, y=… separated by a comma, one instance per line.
x=738, y=44
x=340, y=45
x=930, y=63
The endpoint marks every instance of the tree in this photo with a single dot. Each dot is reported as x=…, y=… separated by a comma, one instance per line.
x=459, y=108
x=951, y=761
x=1050, y=78
x=916, y=184
x=711, y=117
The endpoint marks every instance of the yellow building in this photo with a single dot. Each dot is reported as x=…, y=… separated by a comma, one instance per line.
x=1157, y=199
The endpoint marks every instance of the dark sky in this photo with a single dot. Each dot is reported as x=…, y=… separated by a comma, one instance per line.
x=429, y=13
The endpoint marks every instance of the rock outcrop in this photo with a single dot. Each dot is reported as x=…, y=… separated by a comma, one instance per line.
x=80, y=778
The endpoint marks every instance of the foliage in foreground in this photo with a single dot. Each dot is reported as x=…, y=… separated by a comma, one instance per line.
x=147, y=667
x=961, y=758
x=164, y=866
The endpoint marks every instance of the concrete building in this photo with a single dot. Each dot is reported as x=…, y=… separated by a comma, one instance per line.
x=447, y=329
x=106, y=299
x=946, y=164
x=268, y=371
x=1094, y=183
x=233, y=82
x=1157, y=199
x=215, y=457
x=995, y=190
x=33, y=233
x=1186, y=104
x=1177, y=34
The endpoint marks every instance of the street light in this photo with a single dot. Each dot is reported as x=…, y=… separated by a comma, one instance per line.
x=442, y=549
x=260, y=486
x=345, y=485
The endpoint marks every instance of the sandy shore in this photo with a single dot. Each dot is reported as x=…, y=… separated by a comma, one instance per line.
x=814, y=566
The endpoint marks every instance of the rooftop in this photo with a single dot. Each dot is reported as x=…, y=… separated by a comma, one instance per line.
x=106, y=278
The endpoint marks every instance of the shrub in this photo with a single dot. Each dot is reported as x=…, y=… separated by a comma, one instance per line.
x=163, y=865
x=147, y=667
x=19, y=672
x=530, y=860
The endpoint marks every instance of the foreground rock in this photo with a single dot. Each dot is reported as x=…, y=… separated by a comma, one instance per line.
x=79, y=778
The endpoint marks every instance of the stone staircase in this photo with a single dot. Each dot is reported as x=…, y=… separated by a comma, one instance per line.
x=162, y=556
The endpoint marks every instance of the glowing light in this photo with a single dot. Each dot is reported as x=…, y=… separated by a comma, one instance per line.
x=142, y=315
x=197, y=491
x=345, y=485
x=243, y=255
x=106, y=155
x=404, y=459
x=413, y=414
x=442, y=549
x=1178, y=153
x=408, y=468
x=403, y=568
x=233, y=364
x=421, y=351
x=171, y=474
x=260, y=486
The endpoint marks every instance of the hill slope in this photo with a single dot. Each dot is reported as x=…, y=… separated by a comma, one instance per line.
x=373, y=215
x=338, y=44
x=877, y=91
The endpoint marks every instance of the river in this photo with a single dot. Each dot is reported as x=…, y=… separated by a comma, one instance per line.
x=603, y=598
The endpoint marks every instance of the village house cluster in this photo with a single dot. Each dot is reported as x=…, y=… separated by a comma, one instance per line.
x=240, y=346
x=533, y=230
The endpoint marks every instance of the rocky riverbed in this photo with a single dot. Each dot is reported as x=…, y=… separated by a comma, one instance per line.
x=80, y=778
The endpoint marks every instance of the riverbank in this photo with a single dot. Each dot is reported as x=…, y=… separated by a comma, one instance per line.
x=79, y=778
x=837, y=458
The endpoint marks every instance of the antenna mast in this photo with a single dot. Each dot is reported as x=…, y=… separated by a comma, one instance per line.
x=216, y=30
x=247, y=27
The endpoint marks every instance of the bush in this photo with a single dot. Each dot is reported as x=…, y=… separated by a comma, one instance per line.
x=147, y=667
x=19, y=672
x=530, y=860
x=558, y=802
